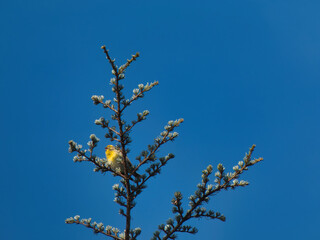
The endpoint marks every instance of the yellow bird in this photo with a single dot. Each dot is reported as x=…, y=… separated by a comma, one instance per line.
x=114, y=157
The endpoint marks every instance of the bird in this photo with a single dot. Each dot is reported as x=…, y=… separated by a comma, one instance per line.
x=115, y=159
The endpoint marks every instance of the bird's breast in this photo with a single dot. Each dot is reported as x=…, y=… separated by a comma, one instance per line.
x=111, y=155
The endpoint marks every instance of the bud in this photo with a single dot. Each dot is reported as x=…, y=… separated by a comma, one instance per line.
x=97, y=99
x=220, y=167
x=137, y=231
x=243, y=183
x=135, y=91
x=121, y=235
x=175, y=134
x=178, y=195
x=218, y=174
x=167, y=228
x=115, y=187
x=100, y=226
x=209, y=169
x=115, y=230
x=236, y=168
x=108, y=228
x=170, y=221
x=94, y=138
x=210, y=187
x=72, y=146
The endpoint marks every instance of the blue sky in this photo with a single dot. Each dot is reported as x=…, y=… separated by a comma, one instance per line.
x=239, y=73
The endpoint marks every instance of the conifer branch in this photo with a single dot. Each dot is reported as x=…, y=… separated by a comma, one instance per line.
x=201, y=196
x=97, y=227
x=139, y=93
x=101, y=164
x=152, y=171
x=111, y=61
x=140, y=117
x=119, y=97
x=99, y=100
x=111, y=130
x=129, y=61
x=164, y=137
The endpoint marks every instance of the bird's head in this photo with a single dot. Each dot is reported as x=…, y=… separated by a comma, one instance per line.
x=110, y=148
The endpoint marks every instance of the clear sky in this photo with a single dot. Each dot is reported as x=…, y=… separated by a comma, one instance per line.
x=239, y=72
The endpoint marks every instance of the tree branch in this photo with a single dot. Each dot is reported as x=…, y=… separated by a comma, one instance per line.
x=160, y=141
x=97, y=228
x=119, y=97
x=204, y=191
